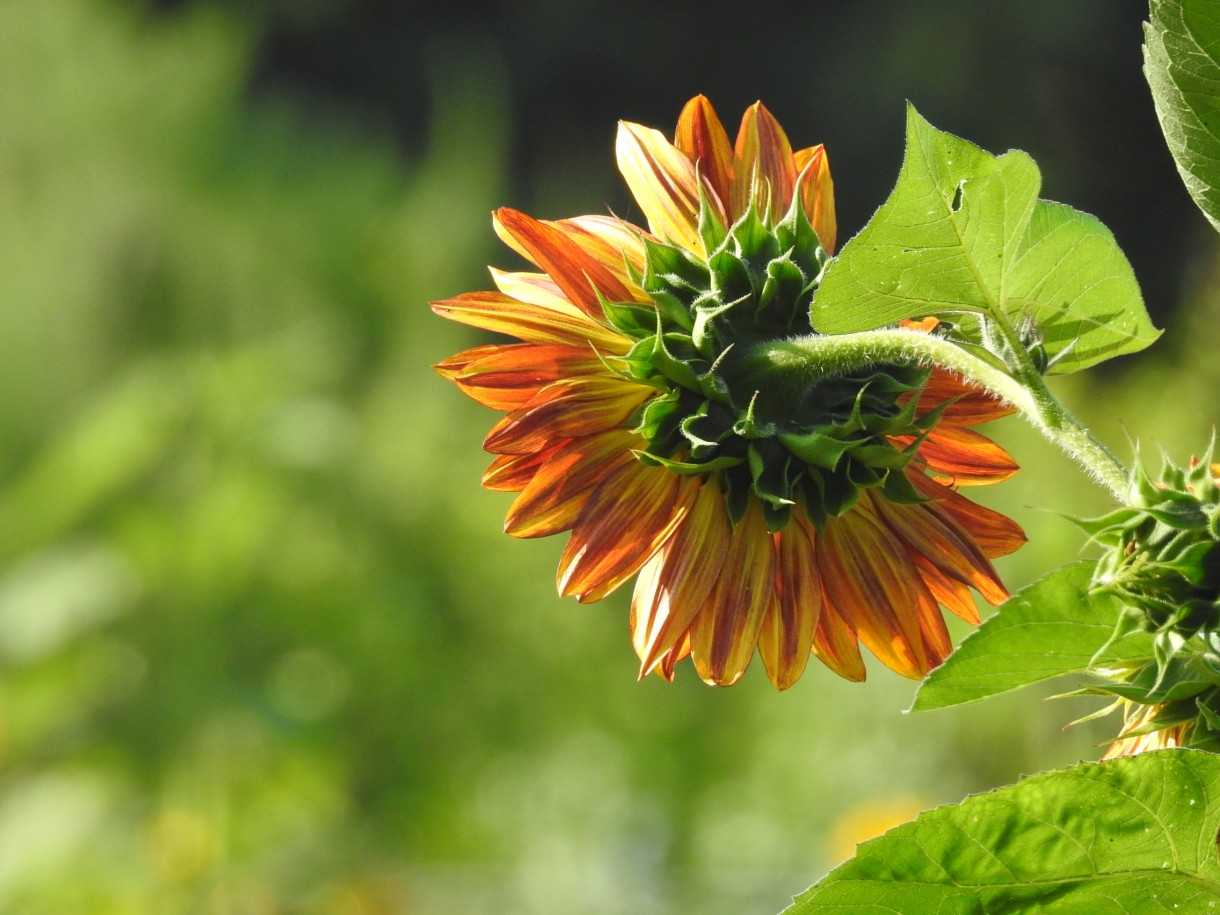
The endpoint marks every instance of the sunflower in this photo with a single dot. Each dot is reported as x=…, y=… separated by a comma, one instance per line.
x=792, y=513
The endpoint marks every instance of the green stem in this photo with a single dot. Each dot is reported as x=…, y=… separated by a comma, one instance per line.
x=817, y=356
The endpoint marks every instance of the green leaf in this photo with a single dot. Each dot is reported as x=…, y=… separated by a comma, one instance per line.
x=1052, y=627
x=965, y=232
x=1180, y=62
x=1134, y=835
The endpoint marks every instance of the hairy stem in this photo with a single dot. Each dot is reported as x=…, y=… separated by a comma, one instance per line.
x=816, y=356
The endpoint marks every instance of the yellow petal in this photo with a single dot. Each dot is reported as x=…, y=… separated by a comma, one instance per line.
x=725, y=632
x=875, y=586
x=663, y=182
x=788, y=631
x=835, y=645
x=513, y=472
x=609, y=241
x=763, y=167
x=817, y=193
x=681, y=576
x=503, y=314
x=625, y=521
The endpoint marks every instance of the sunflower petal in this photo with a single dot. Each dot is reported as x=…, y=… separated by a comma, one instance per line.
x=996, y=534
x=511, y=376
x=503, y=314
x=569, y=408
x=835, y=645
x=788, y=630
x=963, y=455
x=663, y=182
x=534, y=288
x=512, y=472
x=725, y=632
x=763, y=167
x=625, y=521
x=449, y=368
x=683, y=573
x=817, y=193
x=553, y=500
x=969, y=405
x=702, y=139
x=948, y=592
x=611, y=242
x=938, y=539
x=580, y=276
x=871, y=581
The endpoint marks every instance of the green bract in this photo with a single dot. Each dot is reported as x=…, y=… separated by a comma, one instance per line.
x=723, y=406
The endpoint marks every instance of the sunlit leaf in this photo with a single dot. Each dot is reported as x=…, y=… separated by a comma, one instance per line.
x=1134, y=835
x=1050, y=628
x=964, y=233
x=1180, y=61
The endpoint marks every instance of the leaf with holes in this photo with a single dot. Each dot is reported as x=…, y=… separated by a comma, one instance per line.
x=1181, y=63
x=1134, y=835
x=964, y=234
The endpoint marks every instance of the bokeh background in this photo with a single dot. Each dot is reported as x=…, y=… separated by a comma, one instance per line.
x=263, y=647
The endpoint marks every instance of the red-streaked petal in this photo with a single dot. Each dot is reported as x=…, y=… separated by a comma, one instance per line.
x=559, y=490
x=510, y=377
x=788, y=630
x=817, y=192
x=681, y=576
x=702, y=139
x=612, y=242
x=503, y=314
x=970, y=406
x=949, y=593
x=579, y=275
x=512, y=472
x=570, y=408
x=449, y=368
x=663, y=182
x=963, y=455
x=624, y=522
x=762, y=157
x=536, y=289
x=725, y=632
x=932, y=629
x=835, y=645
x=996, y=534
x=669, y=660
x=936, y=537
x=871, y=581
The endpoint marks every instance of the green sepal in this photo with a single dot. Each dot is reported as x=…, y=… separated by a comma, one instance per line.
x=769, y=465
x=635, y=320
x=816, y=448
x=712, y=232
x=655, y=414
x=688, y=468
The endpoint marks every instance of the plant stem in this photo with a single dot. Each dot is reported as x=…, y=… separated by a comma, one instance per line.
x=819, y=355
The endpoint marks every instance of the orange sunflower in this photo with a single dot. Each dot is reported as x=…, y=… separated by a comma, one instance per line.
x=788, y=512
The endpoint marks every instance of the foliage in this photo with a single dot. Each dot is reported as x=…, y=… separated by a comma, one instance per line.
x=1130, y=835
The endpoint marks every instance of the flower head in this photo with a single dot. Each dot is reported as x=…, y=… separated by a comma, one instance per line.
x=1162, y=562
x=763, y=508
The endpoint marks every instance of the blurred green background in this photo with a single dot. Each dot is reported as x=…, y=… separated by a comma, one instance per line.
x=264, y=649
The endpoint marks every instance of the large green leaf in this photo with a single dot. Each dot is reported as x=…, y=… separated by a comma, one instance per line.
x=964, y=233
x=1052, y=627
x=1135, y=836
x=1180, y=60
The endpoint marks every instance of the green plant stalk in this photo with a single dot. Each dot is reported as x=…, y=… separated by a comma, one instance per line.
x=805, y=359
